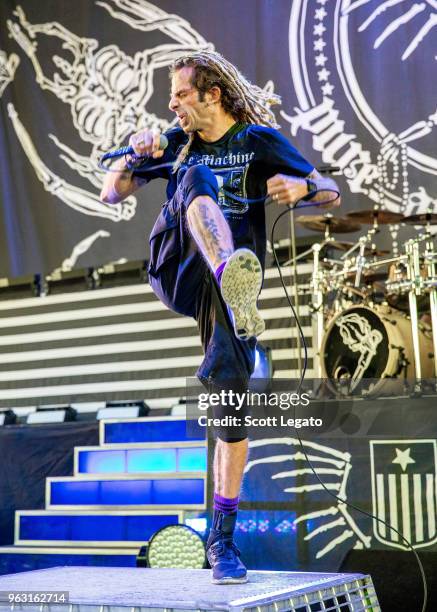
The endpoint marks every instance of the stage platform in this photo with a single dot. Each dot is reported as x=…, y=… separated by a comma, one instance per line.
x=102, y=589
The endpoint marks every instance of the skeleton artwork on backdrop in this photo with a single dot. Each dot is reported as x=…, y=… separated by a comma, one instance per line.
x=107, y=92
x=80, y=248
x=8, y=66
x=332, y=465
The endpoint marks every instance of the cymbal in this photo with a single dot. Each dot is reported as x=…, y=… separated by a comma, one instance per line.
x=422, y=219
x=318, y=223
x=369, y=216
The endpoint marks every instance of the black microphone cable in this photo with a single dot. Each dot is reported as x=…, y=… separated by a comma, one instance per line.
x=287, y=210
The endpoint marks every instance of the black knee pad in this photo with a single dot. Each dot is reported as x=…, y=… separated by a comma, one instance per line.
x=222, y=436
x=199, y=181
x=232, y=427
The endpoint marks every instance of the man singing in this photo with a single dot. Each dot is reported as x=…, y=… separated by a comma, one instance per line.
x=207, y=247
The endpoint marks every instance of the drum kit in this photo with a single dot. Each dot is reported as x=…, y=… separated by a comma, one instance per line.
x=374, y=315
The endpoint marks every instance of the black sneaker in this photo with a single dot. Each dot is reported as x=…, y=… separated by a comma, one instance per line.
x=222, y=553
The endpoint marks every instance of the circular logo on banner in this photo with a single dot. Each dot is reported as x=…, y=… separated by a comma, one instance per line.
x=354, y=66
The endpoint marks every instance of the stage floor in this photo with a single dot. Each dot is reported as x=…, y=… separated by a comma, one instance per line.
x=102, y=589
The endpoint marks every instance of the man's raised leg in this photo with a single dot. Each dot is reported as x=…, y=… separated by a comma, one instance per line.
x=210, y=230
x=238, y=272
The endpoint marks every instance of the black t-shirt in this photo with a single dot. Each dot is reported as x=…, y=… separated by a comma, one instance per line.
x=242, y=161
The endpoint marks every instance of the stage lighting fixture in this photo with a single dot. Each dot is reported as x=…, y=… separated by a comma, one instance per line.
x=69, y=281
x=123, y=410
x=179, y=409
x=176, y=546
x=198, y=524
x=8, y=417
x=20, y=287
x=54, y=414
x=116, y=273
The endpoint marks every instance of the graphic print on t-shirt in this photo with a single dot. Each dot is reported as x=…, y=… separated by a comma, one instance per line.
x=232, y=197
x=231, y=183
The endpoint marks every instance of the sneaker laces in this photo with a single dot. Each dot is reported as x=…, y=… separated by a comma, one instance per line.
x=225, y=547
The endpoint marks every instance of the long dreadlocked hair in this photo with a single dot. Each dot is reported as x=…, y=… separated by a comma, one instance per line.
x=245, y=102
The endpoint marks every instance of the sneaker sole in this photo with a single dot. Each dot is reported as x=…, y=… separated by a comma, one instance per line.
x=230, y=580
x=240, y=286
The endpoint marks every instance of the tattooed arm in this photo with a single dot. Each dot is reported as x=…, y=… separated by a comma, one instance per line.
x=119, y=182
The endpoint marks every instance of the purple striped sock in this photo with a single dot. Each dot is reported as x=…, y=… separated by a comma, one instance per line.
x=218, y=273
x=227, y=505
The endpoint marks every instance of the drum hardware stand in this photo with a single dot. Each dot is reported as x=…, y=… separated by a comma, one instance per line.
x=317, y=305
x=413, y=272
x=327, y=232
x=364, y=239
x=316, y=294
x=294, y=257
x=346, y=255
x=296, y=290
x=376, y=210
x=309, y=251
x=361, y=261
x=430, y=259
x=384, y=262
x=387, y=262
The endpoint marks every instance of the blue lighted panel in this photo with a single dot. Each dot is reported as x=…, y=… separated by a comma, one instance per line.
x=93, y=528
x=152, y=431
x=142, y=460
x=108, y=461
x=192, y=459
x=152, y=460
x=75, y=493
x=128, y=492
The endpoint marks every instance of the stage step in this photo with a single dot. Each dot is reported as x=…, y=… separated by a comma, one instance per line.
x=149, y=429
x=124, y=529
x=174, y=457
x=14, y=559
x=163, y=491
x=115, y=590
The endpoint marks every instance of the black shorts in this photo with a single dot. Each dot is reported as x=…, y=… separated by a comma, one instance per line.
x=182, y=280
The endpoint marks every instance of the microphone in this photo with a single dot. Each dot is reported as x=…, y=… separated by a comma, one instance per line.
x=128, y=150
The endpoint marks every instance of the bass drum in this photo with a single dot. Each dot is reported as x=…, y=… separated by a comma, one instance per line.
x=363, y=347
